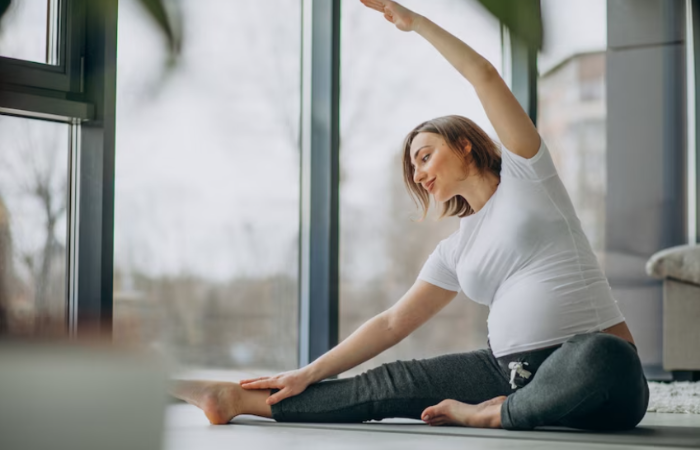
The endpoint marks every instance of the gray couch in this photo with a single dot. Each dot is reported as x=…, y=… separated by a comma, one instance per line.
x=679, y=268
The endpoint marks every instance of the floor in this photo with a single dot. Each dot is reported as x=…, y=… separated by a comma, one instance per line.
x=187, y=428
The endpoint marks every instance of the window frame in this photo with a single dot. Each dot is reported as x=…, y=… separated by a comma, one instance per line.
x=320, y=180
x=81, y=91
x=692, y=38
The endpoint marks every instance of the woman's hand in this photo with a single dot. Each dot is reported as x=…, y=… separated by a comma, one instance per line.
x=403, y=18
x=290, y=384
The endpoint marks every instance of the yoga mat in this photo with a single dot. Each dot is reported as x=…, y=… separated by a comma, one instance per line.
x=649, y=435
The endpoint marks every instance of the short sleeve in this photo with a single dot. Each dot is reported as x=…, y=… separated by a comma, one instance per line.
x=439, y=269
x=539, y=167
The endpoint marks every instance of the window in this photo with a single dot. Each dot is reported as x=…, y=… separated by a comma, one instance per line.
x=207, y=185
x=33, y=225
x=391, y=82
x=29, y=31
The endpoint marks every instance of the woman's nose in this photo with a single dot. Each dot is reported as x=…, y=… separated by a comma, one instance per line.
x=417, y=176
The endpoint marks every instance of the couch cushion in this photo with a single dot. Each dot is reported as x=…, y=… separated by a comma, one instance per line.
x=681, y=263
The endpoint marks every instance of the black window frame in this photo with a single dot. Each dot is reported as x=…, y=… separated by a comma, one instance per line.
x=80, y=91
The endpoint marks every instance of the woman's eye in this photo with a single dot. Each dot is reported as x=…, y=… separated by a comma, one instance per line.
x=425, y=158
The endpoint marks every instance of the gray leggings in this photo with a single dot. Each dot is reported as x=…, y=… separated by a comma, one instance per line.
x=592, y=381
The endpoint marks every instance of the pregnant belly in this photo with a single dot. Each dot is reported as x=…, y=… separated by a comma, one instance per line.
x=532, y=314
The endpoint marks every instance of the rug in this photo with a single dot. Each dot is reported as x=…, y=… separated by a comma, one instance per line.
x=678, y=397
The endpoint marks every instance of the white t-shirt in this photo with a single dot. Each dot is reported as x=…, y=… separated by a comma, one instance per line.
x=525, y=255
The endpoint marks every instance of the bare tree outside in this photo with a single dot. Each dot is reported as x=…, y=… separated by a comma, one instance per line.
x=206, y=233
x=33, y=177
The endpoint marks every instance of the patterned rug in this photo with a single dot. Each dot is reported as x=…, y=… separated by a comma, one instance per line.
x=678, y=397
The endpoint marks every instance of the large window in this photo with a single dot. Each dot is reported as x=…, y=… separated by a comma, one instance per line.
x=391, y=82
x=33, y=225
x=207, y=186
x=56, y=173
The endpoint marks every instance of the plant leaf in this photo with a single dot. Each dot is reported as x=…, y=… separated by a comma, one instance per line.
x=4, y=6
x=170, y=24
x=522, y=17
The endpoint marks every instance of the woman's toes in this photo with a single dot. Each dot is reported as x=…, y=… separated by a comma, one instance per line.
x=452, y=412
x=432, y=412
x=439, y=420
x=439, y=411
x=428, y=413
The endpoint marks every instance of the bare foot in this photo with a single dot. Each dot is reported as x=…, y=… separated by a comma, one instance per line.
x=219, y=400
x=452, y=412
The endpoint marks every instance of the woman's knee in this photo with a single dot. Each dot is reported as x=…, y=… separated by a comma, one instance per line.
x=607, y=351
x=603, y=361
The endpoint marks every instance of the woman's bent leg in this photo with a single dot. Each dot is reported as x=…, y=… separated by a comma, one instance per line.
x=593, y=381
x=398, y=389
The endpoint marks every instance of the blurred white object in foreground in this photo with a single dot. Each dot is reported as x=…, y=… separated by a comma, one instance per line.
x=72, y=397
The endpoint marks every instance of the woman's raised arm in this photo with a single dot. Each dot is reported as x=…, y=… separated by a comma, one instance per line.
x=514, y=128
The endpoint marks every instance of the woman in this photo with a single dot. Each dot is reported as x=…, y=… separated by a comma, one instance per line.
x=559, y=352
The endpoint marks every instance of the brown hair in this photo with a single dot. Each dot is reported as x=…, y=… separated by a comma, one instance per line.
x=457, y=132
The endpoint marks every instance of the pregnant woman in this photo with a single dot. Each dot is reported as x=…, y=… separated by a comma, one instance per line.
x=559, y=351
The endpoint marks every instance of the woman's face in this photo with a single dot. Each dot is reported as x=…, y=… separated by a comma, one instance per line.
x=436, y=167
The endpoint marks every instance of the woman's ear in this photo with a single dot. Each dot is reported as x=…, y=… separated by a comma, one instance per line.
x=466, y=145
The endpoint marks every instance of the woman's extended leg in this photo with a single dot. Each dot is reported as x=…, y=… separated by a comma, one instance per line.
x=222, y=401
x=593, y=381
x=398, y=389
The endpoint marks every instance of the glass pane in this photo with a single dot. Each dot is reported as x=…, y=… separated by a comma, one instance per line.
x=28, y=31
x=207, y=185
x=33, y=226
x=387, y=90
x=572, y=111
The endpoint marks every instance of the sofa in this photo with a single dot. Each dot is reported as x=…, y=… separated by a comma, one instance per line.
x=679, y=268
